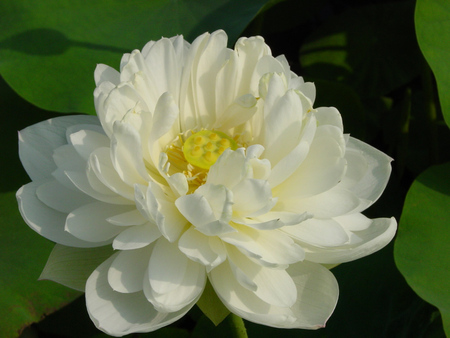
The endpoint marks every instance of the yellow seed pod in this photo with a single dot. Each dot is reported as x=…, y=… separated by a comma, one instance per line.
x=203, y=148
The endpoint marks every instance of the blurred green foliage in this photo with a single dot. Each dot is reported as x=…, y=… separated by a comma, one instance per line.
x=364, y=58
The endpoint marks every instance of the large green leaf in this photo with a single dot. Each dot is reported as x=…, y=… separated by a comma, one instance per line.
x=422, y=246
x=23, y=253
x=49, y=49
x=372, y=48
x=432, y=19
x=24, y=299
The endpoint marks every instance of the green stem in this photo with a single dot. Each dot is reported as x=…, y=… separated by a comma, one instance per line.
x=237, y=326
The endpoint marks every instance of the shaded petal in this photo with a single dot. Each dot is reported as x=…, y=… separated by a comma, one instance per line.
x=117, y=313
x=136, y=237
x=89, y=222
x=126, y=273
x=320, y=232
x=187, y=292
x=167, y=267
x=60, y=198
x=362, y=243
x=101, y=164
x=203, y=249
x=270, y=248
x=37, y=143
x=274, y=286
x=198, y=211
x=370, y=185
x=46, y=221
x=317, y=295
x=126, y=154
x=86, y=138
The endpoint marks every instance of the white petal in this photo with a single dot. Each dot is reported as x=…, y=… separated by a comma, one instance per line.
x=60, y=198
x=37, y=143
x=86, y=138
x=101, y=164
x=203, y=249
x=317, y=291
x=136, y=237
x=167, y=267
x=332, y=203
x=230, y=168
x=160, y=208
x=354, y=222
x=89, y=222
x=372, y=184
x=273, y=286
x=46, y=221
x=320, y=232
x=322, y=169
x=244, y=302
x=133, y=217
x=126, y=273
x=104, y=73
x=251, y=196
x=126, y=154
x=269, y=247
x=329, y=116
x=119, y=314
x=187, y=292
x=362, y=243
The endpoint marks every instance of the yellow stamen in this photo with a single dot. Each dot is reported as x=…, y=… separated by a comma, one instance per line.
x=203, y=148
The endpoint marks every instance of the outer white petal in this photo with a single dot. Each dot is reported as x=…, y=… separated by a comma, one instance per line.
x=362, y=243
x=188, y=291
x=90, y=224
x=60, y=198
x=46, y=221
x=372, y=183
x=104, y=73
x=273, y=286
x=126, y=273
x=86, y=138
x=320, y=232
x=37, y=143
x=317, y=291
x=119, y=314
x=322, y=169
x=167, y=267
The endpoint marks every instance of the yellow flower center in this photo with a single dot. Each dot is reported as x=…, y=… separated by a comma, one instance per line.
x=202, y=149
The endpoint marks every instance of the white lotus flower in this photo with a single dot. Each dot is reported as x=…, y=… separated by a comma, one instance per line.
x=204, y=164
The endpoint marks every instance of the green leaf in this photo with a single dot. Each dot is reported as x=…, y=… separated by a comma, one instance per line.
x=212, y=306
x=432, y=20
x=24, y=299
x=73, y=266
x=49, y=49
x=422, y=245
x=372, y=48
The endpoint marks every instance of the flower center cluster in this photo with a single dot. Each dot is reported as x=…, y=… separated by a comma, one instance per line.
x=203, y=148
x=194, y=156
